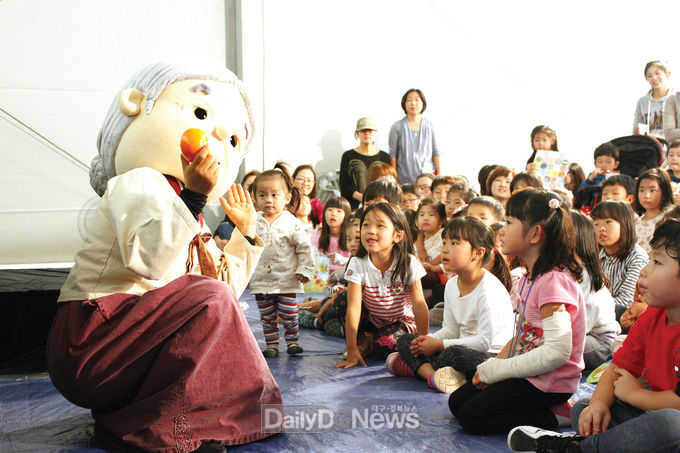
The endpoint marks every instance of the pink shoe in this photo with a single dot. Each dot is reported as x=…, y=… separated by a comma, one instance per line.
x=396, y=365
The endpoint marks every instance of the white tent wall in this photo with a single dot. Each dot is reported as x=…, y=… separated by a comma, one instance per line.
x=62, y=63
x=490, y=71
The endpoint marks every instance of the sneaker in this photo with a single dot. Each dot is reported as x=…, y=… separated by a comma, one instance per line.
x=306, y=318
x=530, y=439
x=294, y=348
x=334, y=327
x=396, y=365
x=448, y=380
x=270, y=353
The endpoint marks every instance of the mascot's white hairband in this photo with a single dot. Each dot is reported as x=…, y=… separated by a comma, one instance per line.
x=151, y=81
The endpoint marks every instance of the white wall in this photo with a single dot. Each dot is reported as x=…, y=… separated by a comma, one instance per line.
x=491, y=71
x=62, y=63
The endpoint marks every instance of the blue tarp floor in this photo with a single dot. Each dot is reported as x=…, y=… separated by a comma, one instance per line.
x=360, y=409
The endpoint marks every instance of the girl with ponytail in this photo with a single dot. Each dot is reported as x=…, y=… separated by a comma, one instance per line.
x=477, y=313
x=540, y=367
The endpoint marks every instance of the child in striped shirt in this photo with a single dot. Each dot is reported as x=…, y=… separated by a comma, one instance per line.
x=622, y=258
x=384, y=298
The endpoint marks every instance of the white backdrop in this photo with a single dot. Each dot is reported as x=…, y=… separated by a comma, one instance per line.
x=491, y=71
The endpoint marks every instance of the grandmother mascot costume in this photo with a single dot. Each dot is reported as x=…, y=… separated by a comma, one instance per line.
x=149, y=334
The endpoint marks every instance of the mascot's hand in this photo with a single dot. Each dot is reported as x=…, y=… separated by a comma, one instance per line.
x=202, y=174
x=239, y=207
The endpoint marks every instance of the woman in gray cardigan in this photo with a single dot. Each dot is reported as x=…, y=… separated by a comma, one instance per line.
x=413, y=148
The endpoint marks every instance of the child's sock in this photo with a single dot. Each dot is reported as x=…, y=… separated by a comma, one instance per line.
x=430, y=380
x=272, y=350
x=294, y=348
x=395, y=365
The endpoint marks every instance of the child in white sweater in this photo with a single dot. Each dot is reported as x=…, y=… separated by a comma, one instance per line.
x=286, y=262
x=477, y=313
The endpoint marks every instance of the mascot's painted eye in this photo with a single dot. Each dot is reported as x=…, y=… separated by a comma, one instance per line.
x=234, y=141
x=200, y=113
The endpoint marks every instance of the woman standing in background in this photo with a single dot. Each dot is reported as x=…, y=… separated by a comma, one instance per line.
x=649, y=111
x=413, y=148
x=356, y=164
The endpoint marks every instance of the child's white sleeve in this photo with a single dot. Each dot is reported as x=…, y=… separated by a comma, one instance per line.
x=303, y=250
x=554, y=353
x=450, y=331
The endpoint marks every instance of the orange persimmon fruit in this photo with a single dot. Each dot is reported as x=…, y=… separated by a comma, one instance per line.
x=192, y=141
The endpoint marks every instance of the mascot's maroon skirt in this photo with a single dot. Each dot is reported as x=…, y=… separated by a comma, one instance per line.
x=166, y=370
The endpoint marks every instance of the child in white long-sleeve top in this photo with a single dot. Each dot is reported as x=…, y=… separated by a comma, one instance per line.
x=541, y=365
x=477, y=313
x=286, y=262
x=601, y=325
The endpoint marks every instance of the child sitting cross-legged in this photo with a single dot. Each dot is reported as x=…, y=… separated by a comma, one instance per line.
x=478, y=316
x=636, y=404
x=384, y=298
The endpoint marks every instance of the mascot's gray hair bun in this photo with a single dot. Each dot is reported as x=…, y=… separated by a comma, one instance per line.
x=151, y=81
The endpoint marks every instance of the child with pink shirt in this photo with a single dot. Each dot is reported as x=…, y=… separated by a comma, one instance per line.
x=329, y=240
x=541, y=365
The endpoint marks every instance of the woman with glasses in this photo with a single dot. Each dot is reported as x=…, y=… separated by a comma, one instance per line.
x=304, y=178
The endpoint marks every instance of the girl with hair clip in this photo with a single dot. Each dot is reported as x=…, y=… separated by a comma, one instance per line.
x=477, y=313
x=542, y=138
x=329, y=240
x=541, y=365
x=384, y=299
x=286, y=262
x=601, y=325
x=653, y=194
x=304, y=178
x=621, y=257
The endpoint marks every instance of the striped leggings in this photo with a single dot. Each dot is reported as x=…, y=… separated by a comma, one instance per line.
x=275, y=306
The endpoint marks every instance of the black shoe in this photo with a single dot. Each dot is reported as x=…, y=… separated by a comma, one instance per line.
x=530, y=439
x=270, y=353
x=294, y=348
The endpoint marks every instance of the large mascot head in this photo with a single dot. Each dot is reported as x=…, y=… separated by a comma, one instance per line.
x=146, y=120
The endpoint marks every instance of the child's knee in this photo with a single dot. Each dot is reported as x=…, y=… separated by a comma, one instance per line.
x=404, y=341
x=579, y=406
